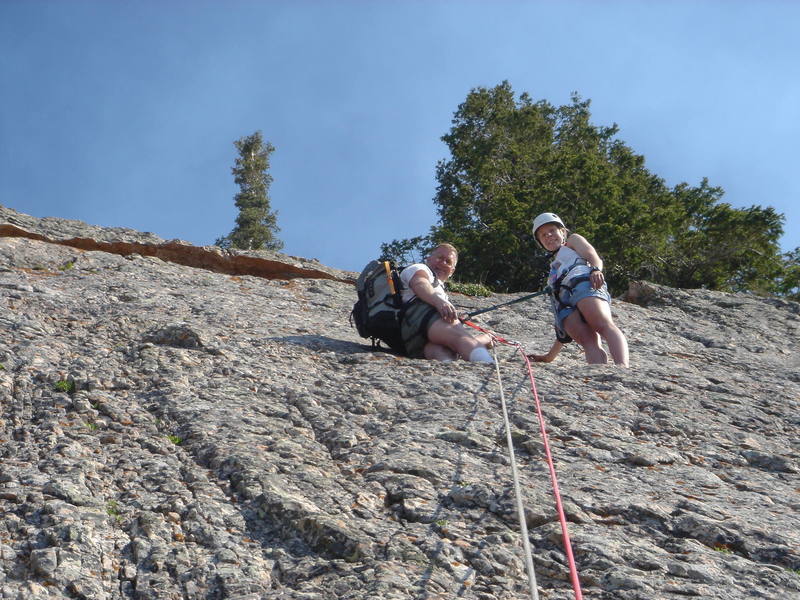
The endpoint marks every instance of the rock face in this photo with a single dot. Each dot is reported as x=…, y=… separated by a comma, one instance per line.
x=173, y=429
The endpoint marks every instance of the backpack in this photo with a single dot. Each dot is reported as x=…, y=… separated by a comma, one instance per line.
x=379, y=310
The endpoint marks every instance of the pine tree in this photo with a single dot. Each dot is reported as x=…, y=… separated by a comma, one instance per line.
x=512, y=158
x=256, y=226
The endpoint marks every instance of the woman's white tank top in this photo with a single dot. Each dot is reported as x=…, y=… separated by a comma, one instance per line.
x=566, y=260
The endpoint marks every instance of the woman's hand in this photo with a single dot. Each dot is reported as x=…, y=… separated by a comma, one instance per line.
x=597, y=279
x=551, y=354
x=540, y=357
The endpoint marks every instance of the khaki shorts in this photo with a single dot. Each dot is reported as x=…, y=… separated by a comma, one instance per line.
x=414, y=329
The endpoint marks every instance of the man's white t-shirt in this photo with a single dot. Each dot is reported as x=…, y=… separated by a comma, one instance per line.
x=409, y=272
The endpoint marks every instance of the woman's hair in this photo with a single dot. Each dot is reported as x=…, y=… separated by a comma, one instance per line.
x=445, y=245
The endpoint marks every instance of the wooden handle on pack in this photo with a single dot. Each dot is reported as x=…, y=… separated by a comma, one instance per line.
x=389, y=277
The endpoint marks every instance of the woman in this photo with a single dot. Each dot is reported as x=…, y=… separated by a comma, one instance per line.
x=581, y=302
x=430, y=326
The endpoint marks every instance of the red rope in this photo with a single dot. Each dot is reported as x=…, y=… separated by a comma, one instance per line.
x=573, y=571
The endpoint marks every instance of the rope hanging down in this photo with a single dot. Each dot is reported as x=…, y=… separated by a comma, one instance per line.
x=576, y=585
x=523, y=526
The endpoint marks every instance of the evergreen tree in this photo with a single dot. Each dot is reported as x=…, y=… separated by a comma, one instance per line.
x=720, y=247
x=789, y=279
x=256, y=226
x=511, y=159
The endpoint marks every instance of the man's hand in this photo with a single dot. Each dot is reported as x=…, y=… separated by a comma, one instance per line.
x=447, y=311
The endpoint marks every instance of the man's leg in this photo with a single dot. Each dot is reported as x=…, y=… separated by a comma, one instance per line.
x=439, y=352
x=457, y=338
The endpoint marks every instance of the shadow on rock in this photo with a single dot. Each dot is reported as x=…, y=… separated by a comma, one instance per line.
x=321, y=342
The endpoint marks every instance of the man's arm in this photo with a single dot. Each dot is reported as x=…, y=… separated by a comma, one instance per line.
x=422, y=287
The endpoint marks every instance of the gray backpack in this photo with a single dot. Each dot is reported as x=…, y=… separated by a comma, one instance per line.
x=379, y=310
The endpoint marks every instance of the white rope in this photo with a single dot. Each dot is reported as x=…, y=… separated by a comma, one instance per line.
x=526, y=545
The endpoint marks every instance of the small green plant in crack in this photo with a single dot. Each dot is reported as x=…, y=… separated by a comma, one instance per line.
x=67, y=265
x=795, y=571
x=112, y=509
x=469, y=289
x=2, y=367
x=441, y=523
x=175, y=439
x=723, y=549
x=92, y=426
x=64, y=385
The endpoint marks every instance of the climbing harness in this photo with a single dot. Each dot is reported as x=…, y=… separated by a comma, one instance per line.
x=576, y=586
x=559, y=285
x=496, y=306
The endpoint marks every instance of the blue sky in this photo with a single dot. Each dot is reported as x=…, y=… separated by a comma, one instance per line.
x=124, y=114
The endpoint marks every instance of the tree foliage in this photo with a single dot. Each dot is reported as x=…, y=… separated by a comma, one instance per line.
x=256, y=226
x=789, y=279
x=513, y=158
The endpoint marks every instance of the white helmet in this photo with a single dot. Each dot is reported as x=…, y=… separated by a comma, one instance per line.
x=545, y=218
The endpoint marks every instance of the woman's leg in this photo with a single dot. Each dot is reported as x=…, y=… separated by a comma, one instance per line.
x=588, y=339
x=597, y=314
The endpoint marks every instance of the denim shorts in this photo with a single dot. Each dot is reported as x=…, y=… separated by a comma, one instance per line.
x=569, y=299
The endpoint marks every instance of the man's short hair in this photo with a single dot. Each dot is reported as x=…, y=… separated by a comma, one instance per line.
x=445, y=245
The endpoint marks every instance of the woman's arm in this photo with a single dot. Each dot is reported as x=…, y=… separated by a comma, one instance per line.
x=551, y=354
x=587, y=252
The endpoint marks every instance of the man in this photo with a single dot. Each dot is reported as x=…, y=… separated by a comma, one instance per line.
x=430, y=327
